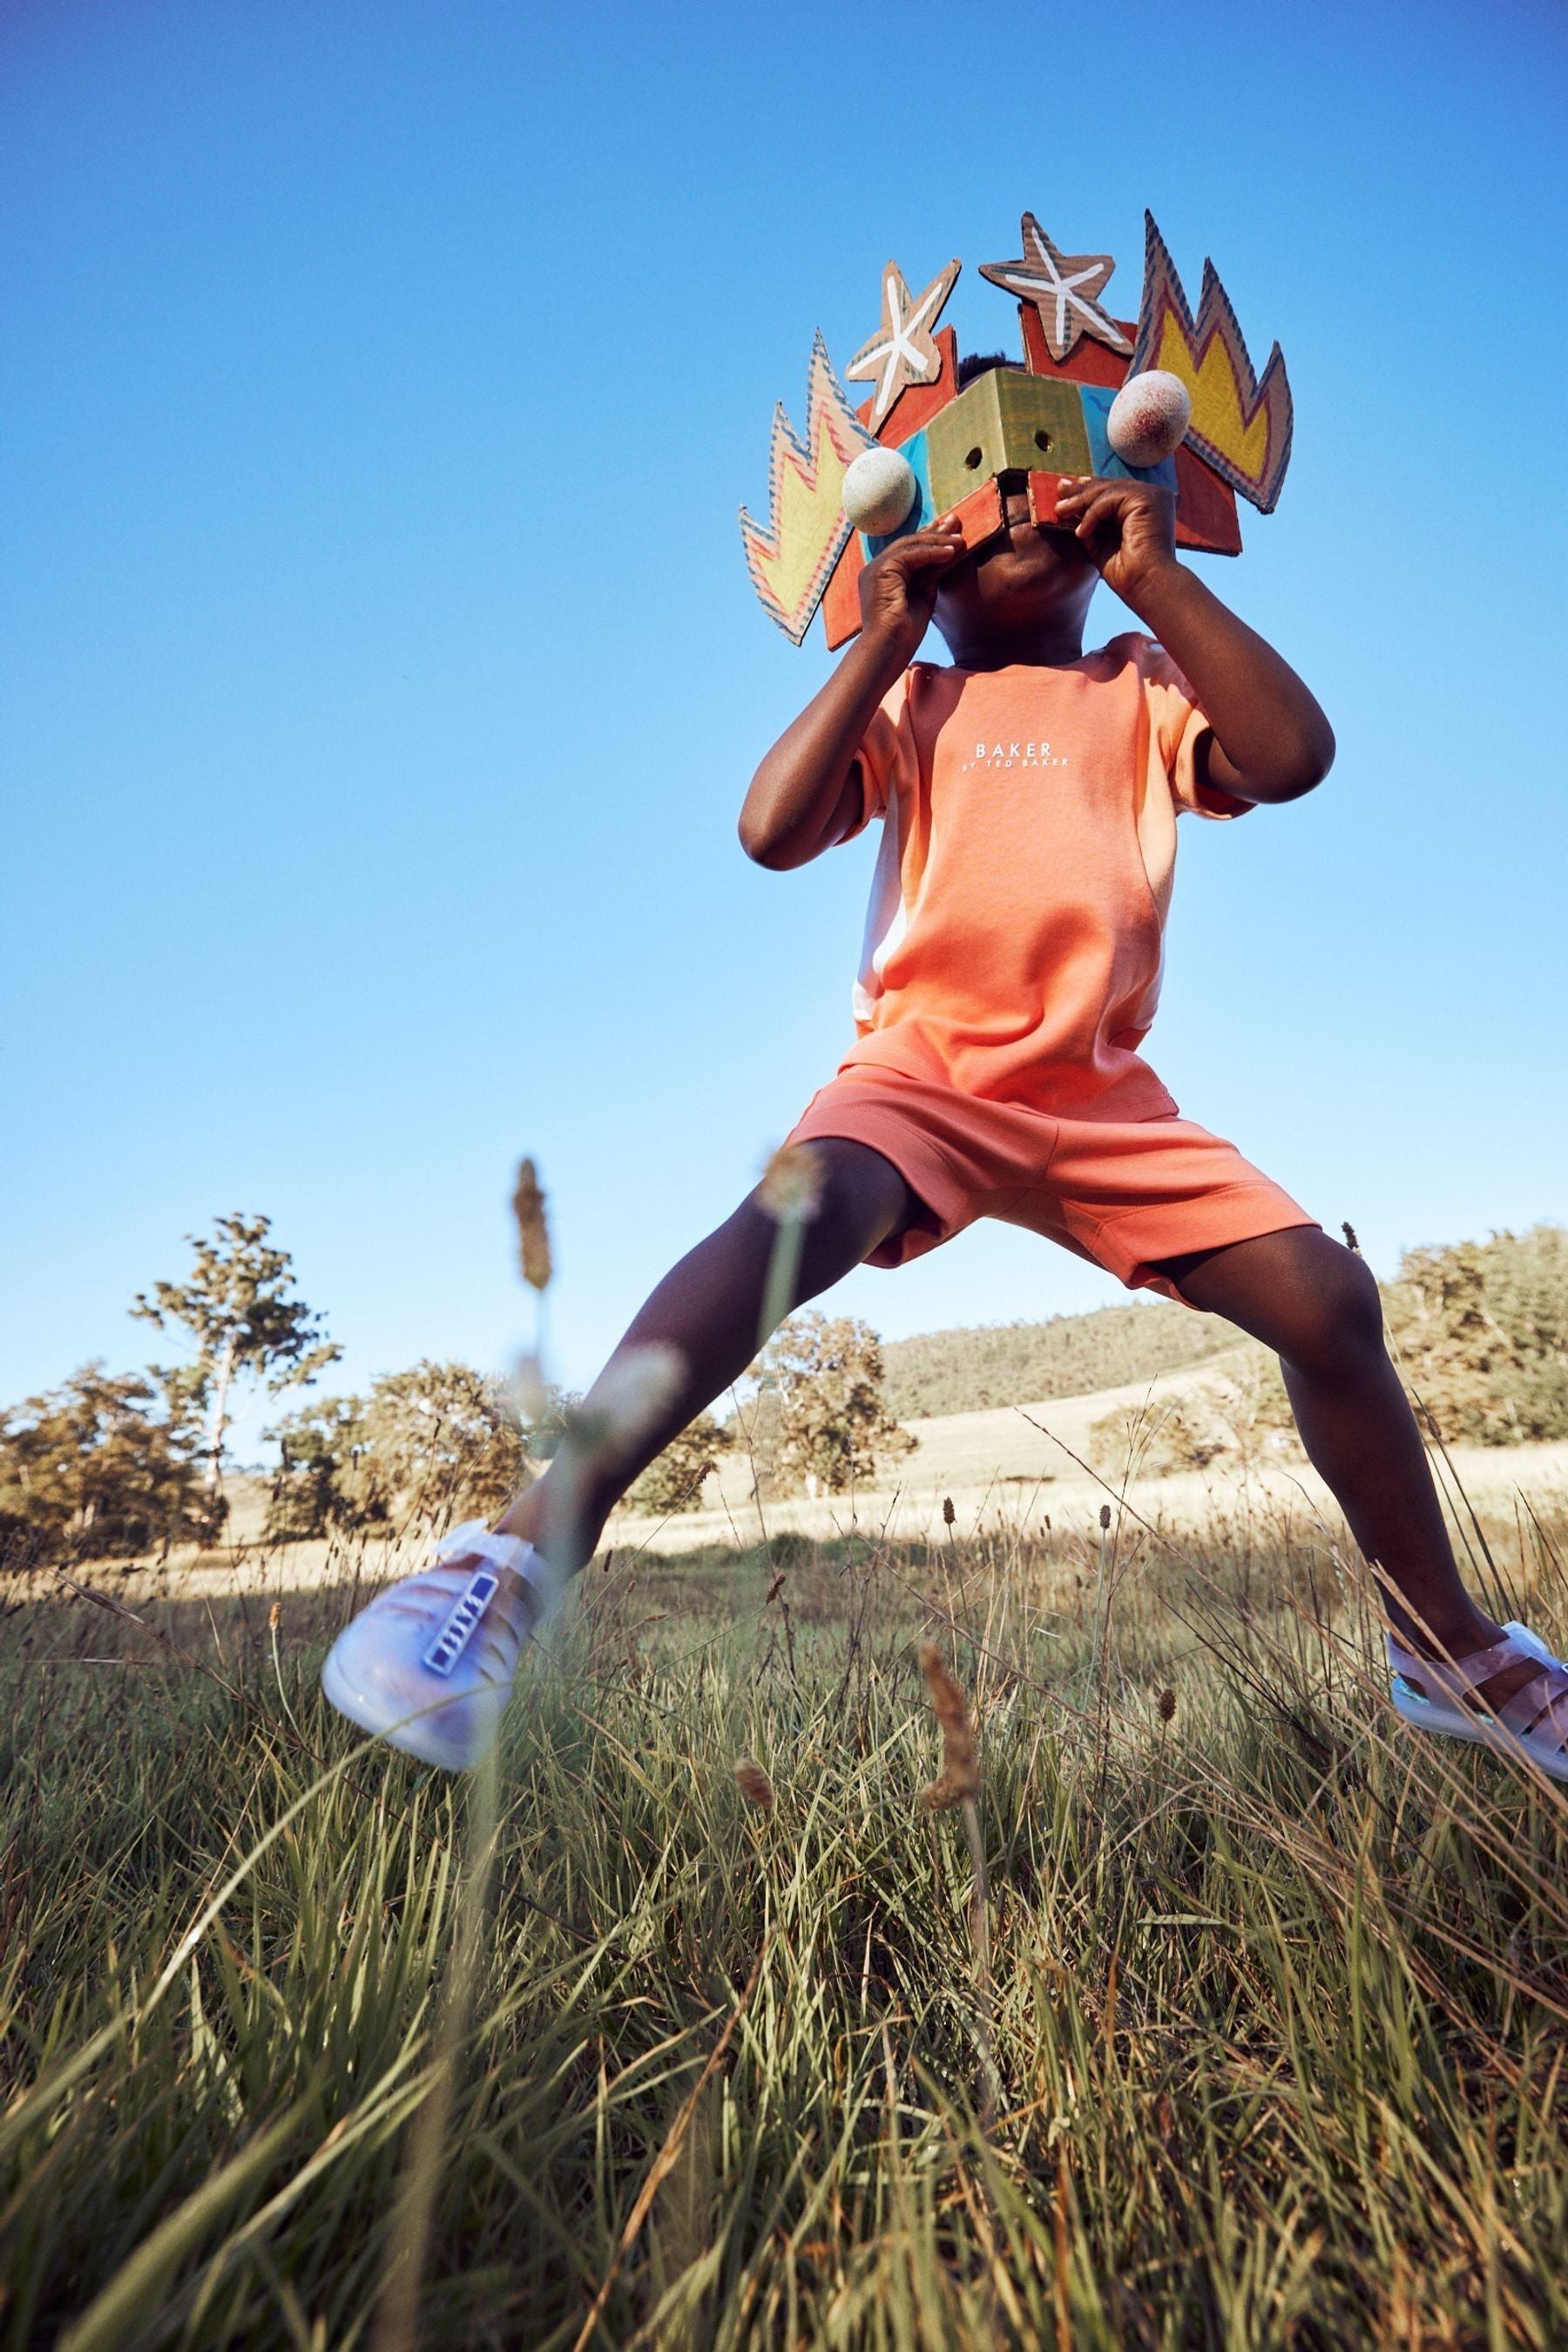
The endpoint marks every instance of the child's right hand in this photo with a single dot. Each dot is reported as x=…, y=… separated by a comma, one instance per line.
x=898, y=587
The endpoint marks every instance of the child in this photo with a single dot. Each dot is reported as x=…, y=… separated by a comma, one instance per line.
x=1028, y=795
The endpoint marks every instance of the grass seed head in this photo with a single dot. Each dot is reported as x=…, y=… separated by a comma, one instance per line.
x=791, y=1188
x=629, y=1397
x=960, y=1774
x=533, y=1226
x=754, y=1783
x=947, y=1513
x=1166, y=1703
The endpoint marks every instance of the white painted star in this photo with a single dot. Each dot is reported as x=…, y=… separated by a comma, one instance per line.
x=902, y=351
x=1062, y=288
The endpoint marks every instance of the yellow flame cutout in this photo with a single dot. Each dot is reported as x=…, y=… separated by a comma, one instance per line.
x=792, y=557
x=1242, y=423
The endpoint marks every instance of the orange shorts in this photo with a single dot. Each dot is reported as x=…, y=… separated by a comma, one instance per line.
x=1124, y=1193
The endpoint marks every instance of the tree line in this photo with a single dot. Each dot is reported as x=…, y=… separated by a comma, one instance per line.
x=1480, y=1331
x=133, y=1462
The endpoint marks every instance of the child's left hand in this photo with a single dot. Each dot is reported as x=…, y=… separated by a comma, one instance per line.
x=1128, y=529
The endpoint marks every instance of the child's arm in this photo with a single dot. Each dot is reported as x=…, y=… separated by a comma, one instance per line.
x=806, y=794
x=1270, y=741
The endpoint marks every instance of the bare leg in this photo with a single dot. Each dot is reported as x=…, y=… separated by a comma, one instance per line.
x=707, y=1308
x=1318, y=1305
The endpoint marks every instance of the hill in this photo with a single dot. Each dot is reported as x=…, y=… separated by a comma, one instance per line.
x=974, y=1369
x=1481, y=1330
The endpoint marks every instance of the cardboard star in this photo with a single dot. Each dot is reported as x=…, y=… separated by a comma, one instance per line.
x=902, y=351
x=1062, y=287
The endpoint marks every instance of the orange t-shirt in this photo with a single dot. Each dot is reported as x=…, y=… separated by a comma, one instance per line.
x=1012, y=944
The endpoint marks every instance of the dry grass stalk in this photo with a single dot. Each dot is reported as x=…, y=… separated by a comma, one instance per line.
x=959, y=1776
x=790, y=1192
x=958, y=1783
x=529, y=1389
x=397, y=2324
x=533, y=1226
x=754, y=1783
x=665, y=2161
x=765, y=1441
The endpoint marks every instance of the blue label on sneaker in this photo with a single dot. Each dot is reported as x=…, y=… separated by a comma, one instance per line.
x=453, y=1638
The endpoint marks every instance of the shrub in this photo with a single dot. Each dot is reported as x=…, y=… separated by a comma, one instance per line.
x=833, y=1425
x=675, y=1481
x=103, y=1463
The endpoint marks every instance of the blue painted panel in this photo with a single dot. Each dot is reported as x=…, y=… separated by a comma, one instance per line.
x=922, y=512
x=1097, y=399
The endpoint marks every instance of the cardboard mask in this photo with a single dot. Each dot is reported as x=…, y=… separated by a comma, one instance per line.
x=1172, y=397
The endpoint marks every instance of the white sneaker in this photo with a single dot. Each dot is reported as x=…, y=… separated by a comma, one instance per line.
x=429, y=1664
x=1439, y=1695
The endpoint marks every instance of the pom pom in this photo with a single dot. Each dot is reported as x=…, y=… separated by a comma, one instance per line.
x=881, y=487
x=1149, y=417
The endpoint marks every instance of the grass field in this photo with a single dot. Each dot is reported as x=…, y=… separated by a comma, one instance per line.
x=1251, y=2033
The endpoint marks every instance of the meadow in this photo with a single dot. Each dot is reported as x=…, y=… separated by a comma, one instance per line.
x=1225, y=2015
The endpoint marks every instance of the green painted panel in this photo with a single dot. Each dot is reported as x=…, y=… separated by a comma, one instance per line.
x=1005, y=422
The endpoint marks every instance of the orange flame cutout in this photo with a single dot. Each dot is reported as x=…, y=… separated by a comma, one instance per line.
x=793, y=558
x=1241, y=423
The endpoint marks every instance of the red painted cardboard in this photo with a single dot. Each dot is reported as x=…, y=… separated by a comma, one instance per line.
x=918, y=402
x=841, y=597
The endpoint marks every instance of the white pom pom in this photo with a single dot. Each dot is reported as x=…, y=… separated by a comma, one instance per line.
x=881, y=487
x=1149, y=417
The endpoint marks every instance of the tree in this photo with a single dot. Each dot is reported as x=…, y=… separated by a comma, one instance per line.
x=435, y=1442
x=1239, y=1416
x=443, y=1440
x=1482, y=1330
x=237, y=1305
x=675, y=1481
x=833, y=1426
x=1527, y=1290
x=318, y=1484
x=1460, y=1362
x=94, y=1467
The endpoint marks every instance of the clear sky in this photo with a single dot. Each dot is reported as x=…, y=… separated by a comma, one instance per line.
x=380, y=677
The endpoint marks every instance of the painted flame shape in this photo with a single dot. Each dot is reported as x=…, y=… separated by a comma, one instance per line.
x=1241, y=422
x=792, y=557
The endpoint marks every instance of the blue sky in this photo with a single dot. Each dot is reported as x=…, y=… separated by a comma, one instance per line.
x=379, y=679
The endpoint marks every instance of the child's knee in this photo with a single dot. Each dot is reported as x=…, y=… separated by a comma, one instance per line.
x=1337, y=1317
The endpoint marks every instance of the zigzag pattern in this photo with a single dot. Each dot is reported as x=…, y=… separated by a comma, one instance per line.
x=791, y=559
x=1242, y=423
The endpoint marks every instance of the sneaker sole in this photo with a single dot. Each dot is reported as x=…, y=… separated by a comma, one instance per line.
x=1445, y=1723
x=417, y=1737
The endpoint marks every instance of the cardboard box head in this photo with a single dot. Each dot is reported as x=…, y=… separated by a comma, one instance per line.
x=1047, y=417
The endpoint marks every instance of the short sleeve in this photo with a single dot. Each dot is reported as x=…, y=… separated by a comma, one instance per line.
x=878, y=754
x=1176, y=731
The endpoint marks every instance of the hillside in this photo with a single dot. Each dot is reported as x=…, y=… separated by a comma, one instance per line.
x=1480, y=1327
x=1071, y=1355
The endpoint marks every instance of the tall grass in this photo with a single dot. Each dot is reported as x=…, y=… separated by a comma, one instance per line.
x=1269, y=2003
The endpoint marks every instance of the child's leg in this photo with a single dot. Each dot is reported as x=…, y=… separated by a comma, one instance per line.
x=1318, y=1305
x=709, y=1308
